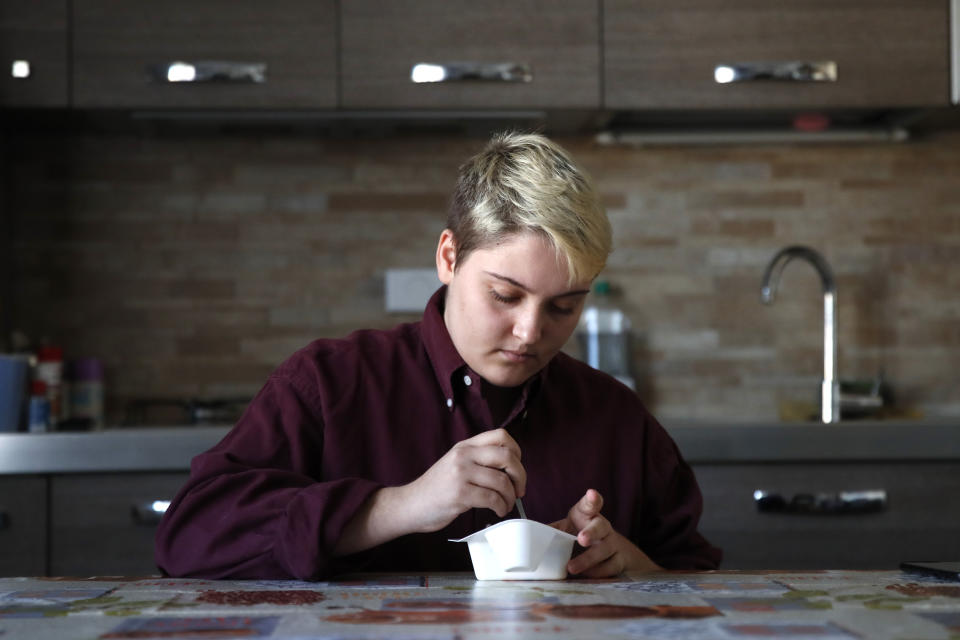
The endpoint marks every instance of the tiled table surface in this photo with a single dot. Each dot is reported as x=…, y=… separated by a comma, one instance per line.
x=825, y=604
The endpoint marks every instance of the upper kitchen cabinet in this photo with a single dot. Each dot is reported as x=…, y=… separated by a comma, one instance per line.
x=488, y=54
x=216, y=53
x=33, y=53
x=661, y=54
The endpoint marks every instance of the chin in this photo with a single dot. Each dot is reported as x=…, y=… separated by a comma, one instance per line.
x=509, y=378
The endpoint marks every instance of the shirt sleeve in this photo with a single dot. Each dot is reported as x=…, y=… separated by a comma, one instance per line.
x=672, y=505
x=253, y=506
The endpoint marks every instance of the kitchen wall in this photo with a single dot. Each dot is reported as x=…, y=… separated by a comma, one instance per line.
x=193, y=262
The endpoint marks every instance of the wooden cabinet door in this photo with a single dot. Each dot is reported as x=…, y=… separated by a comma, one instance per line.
x=921, y=519
x=558, y=42
x=100, y=523
x=662, y=54
x=23, y=525
x=117, y=42
x=33, y=34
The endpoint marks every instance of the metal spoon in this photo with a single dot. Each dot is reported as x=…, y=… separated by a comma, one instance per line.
x=520, y=509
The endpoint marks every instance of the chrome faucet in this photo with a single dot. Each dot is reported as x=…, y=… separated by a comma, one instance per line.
x=830, y=387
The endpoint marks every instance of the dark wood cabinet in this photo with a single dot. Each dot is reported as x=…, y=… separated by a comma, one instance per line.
x=581, y=54
x=33, y=53
x=116, y=44
x=660, y=54
x=23, y=525
x=557, y=42
x=921, y=519
x=100, y=523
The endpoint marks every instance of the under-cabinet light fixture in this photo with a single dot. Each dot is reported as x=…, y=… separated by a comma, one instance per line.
x=721, y=136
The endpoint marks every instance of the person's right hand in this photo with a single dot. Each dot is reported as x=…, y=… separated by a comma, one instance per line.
x=483, y=471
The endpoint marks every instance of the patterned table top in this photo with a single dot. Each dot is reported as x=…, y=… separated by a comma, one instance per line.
x=723, y=604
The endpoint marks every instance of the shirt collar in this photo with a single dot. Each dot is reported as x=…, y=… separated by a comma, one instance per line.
x=443, y=355
x=445, y=358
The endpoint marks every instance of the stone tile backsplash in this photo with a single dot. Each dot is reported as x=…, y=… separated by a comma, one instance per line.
x=194, y=264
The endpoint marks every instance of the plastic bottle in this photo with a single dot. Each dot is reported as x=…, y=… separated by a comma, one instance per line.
x=86, y=392
x=50, y=371
x=39, y=413
x=604, y=335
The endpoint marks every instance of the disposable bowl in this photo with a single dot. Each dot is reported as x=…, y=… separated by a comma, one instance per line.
x=519, y=550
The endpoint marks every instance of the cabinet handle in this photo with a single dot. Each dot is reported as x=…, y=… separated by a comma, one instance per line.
x=841, y=503
x=20, y=69
x=206, y=71
x=470, y=71
x=790, y=71
x=149, y=513
x=4, y=520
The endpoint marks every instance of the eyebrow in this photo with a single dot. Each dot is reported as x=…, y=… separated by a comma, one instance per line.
x=575, y=292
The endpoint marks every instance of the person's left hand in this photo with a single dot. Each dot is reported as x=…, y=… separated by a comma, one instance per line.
x=607, y=553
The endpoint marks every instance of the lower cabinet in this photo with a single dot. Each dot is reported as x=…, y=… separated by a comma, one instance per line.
x=104, y=524
x=23, y=525
x=920, y=520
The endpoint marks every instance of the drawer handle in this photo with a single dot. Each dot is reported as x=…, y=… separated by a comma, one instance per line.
x=790, y=71
x=20, y=69
x=841, y=503
x=208, y=71
x=149, y=513
x=4, y=520
x=424, y=72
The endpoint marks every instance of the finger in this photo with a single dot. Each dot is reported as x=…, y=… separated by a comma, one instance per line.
x=595, y=532
x=612, y=566
x=587, y=508
x=496, y=481
x=590, y=558
x=495, y=438
x=480, y=497
x=504, y=460
x=565, y=526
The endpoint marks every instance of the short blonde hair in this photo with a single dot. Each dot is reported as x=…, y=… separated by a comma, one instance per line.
x=524, y=182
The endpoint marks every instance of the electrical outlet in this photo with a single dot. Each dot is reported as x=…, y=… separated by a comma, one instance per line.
x=409, y=289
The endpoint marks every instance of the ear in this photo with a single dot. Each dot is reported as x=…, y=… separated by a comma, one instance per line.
x=446, y=256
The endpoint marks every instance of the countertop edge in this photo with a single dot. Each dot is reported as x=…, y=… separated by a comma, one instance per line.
x=172, y=448
x=816, y=442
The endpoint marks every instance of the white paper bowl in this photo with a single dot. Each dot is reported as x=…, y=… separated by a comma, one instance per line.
x=520, y=550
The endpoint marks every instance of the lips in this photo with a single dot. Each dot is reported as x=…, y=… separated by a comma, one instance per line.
x=517, y=356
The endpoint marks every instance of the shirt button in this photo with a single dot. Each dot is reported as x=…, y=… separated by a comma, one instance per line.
x=449, y=403
x=467, y=381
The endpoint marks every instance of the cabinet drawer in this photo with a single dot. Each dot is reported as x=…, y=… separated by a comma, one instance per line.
x=558, y=41
x=34, y=31
x=94, y=527
x=115, y=42
x=921, y=518
x=662, y=54
x=23, y=526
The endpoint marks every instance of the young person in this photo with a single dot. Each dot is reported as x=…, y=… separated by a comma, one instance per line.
x=370, y=452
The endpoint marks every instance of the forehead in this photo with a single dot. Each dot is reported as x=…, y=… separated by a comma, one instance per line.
x=525, y=258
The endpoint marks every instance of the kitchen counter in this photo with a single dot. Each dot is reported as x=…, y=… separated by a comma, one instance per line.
x=171, y=448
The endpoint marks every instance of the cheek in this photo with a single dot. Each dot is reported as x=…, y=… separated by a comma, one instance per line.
x=483, y=320
x=563, y=328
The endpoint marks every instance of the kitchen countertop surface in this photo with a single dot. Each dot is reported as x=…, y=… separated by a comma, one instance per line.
x=171, y=448
x=725, y=604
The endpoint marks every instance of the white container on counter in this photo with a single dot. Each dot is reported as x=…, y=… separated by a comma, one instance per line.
x=50, y=371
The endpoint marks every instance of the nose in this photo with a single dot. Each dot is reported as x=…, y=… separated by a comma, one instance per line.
x=528, y=325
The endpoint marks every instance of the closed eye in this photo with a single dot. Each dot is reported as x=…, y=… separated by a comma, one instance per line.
x=502, y=298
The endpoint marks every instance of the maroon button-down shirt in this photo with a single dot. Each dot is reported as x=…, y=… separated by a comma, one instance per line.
x=342, y=418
